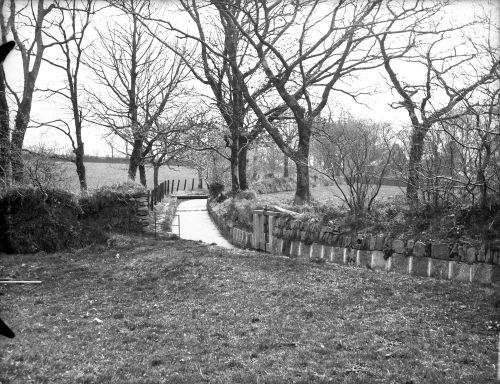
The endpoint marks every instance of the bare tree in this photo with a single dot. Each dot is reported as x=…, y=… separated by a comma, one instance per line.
x=452, y=64
x=140, y=80
x=32, y=16
x=68, y=33
x=213, y=41
x=355, y=155
x=305, y=50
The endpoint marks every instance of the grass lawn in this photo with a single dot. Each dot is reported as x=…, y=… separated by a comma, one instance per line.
x=329, y=194
x=181, y=312
x=100, y=174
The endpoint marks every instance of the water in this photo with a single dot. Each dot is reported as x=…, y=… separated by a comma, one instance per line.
x=196, y=224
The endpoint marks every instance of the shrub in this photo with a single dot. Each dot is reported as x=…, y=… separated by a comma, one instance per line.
x=215, y=189
x=38, y=220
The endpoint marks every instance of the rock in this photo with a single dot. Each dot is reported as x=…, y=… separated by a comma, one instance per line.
x=419, y=249
x=471, y=255
x=440, y=251
x=398, y=246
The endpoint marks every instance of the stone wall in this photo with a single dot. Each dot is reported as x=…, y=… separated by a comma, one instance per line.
x=296, y=239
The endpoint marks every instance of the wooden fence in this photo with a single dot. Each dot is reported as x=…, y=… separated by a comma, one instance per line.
x=169, y=187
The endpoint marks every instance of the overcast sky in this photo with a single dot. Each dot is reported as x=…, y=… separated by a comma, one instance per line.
x=46, y=110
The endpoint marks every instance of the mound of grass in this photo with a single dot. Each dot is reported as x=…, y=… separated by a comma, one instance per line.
x=147, y=311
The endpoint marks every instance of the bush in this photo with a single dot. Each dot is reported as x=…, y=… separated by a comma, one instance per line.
x=215, y=189
x=38, y=220
x=271, y=184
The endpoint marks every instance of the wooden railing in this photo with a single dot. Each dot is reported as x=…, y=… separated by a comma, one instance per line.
x=170, y=187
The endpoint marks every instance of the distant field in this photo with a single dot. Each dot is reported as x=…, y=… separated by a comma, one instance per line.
x=330, y=194
x=100, y=174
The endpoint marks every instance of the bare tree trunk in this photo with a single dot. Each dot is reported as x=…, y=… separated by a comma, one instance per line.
x=235, y=185
x=20, y=127
x=142, y=174
x=242, y=168
x=286, y=172
x=156, y=169
x=5, y=163
x=414, y=165
x=200, y=178
x=135, y=159
x=302, y=193
x=80, y=169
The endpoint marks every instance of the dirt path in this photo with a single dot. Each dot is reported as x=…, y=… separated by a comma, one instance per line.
x=197, y=225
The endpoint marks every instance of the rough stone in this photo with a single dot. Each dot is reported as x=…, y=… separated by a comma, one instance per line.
x=481, y=254
x=420, y=266
x=481, y=273
x=399, y=263
x=316, y=252
x=379, y=244
x=305, y=251
x=471, y=255
x=409, y=246
x=462, y=253
x=363, y=258
x=440, y=251
x=454, y=252
x=351, y=256
x=439, y=269
x=277, y=246
x=419, y=249
x=460, y=272
x=398, y=246
x=337, y=255
x=378, y=261
x=294, y=249
x=372, y=242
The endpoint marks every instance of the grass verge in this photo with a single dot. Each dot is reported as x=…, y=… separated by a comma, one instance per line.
x=152, y=311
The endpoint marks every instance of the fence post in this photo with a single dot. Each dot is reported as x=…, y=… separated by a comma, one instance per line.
x=173, y=182
x=178, y=182
x=185, y=181
x=192, y=185
x=168, y=187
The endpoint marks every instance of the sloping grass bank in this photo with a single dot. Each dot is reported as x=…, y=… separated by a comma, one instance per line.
x=151, y=311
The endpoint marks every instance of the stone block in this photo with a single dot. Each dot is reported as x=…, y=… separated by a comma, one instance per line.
x=420, y=266
x=379, y=243
x=305, y=251
x=419, y=249
x=337, y=255
x=482, y=273
x=495, y=275
x=409, y=246
x=399, y=263
x=488, y=257
x=471, y=255
x=317, y=251
x=363, y=258
x=377, y=260
x=294, y=248
x=398, y=246
x=462, y=253
x=481, y=254
x=454, y=255
x=350, y=256
x=460, y=272
x=440, y=251
x=439, y=268
x=372, y=242
x=286, y=248
x=277, y=246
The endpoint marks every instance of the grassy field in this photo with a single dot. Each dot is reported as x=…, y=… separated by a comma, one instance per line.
x=153, y=311
x=100, y=174
x=329, y=194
